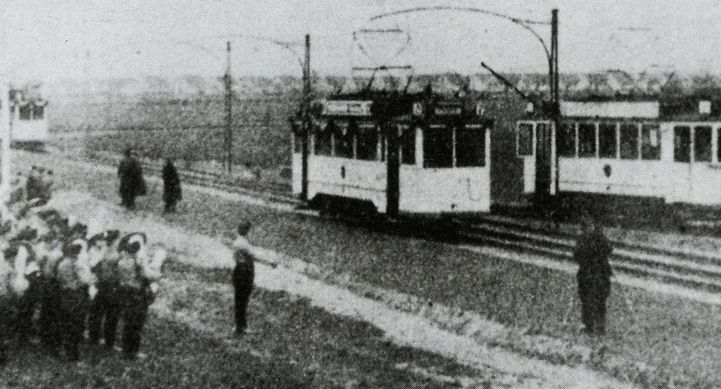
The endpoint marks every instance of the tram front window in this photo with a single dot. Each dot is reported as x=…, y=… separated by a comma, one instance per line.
x=567, y=140
x=323, y=142
x=651, y=142
x=470, y=147
x=408, y=146
x=344, y=144
x=525, y=139
x=682, y=144
x=438, y=148
x=26, y=112
x=587, y=140
x=38, y=112
x=702, y=144
x=366, y=147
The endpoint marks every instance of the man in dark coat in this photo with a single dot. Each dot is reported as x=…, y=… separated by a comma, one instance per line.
x=132, y=183
x=172, y=192
x=594, y=275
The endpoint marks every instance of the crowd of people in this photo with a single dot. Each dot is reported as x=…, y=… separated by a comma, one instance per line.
x=58, y=279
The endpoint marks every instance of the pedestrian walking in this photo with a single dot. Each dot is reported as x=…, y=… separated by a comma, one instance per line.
x=243, y=276
x=594, y=275
x=132, y=183
x=172, y=192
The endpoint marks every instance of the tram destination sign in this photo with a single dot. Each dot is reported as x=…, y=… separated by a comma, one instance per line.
x=347, y=107
x=448, y=110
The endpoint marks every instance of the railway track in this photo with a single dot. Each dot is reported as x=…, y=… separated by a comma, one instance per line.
x=690, y=269
x=269, y=190
x=694, y=270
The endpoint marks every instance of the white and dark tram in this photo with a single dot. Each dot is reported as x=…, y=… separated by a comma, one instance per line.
x=668, y=150
x=28, y=120
x=394, y=154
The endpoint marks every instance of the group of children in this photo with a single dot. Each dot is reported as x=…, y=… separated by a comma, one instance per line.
x=57, y=280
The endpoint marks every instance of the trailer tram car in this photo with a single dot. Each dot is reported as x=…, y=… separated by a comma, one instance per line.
x=667, y=150
x=395, y=154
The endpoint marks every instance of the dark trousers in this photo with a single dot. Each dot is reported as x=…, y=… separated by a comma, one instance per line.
x=5, y=315
x=593, y=295
x=128, y=200
x=104, y=315
x=170, y=206
x=134, y=310
x=243, y=287
x=23, y=323
x=49, y=326
x=73, y=309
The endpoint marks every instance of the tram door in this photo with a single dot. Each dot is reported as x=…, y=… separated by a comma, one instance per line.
x=544, y=158
x=393, y=174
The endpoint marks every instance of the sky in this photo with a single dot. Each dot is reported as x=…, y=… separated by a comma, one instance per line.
x=75, y=39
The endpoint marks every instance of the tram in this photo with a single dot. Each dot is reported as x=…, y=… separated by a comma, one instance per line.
x=28, y=121
x=394, y=154
x=667, y=149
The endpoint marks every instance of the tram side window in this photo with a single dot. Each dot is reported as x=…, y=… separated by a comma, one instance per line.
x=651, y=142
x=718, y=149
x=408, y=146
x=587, y=140
x=323, y=143
x=525, y=139
x=607, y=140
x=470, y=147
x=438, y=148
x=629, y=141
x=366, y=147
x=702, y=144
x=682, y=144
x=566, y=142
x=344, y=144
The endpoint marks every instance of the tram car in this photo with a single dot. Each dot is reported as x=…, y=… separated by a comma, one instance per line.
x=28, y=121
x=658, y=149
x=394, y=154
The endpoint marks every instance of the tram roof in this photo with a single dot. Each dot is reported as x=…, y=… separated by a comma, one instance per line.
x=689, y=108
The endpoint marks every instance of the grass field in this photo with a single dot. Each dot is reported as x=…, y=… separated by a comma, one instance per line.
x=664, y=340
x=189, y=129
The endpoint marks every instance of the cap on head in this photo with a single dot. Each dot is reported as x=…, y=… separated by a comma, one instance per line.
x=111, y=236
x=11, y=251
x=73, y=247
x=132, y=243
x=243, y=228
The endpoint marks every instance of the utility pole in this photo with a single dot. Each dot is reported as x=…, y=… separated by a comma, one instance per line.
x=305, y=114
x=228, y=114
x=554, y=88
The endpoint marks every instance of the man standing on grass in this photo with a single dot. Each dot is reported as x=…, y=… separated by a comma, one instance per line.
x=132, y=183
x=172, y=192
x=594, y=275
x=243, y=275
